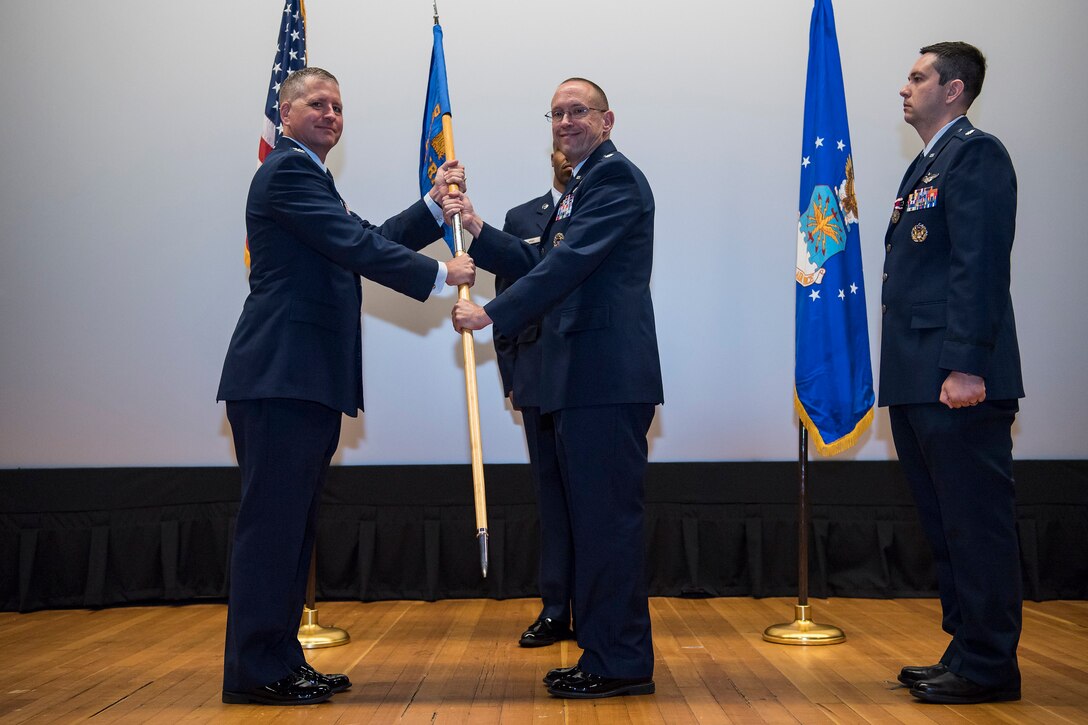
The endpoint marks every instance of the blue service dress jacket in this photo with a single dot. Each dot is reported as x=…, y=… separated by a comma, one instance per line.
x=519, y=357
x=600, y=379
x=945, y=300
x=946, y=306
x=299, y=334
x=591, y=285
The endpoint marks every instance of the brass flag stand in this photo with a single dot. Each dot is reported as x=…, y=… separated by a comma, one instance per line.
x=802, y=630
x=311, y=635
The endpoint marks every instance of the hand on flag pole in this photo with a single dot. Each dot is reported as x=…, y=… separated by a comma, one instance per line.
x=456, y=203
x=450, y=175
x=461, y=271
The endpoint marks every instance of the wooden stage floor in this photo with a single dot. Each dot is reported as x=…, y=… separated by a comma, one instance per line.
x=457, y=661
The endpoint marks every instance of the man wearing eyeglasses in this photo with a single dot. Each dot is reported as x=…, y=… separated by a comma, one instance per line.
x=600, y=377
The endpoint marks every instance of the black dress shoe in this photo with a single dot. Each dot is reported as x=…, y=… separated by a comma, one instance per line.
x=544, y=632
x=558, y=673
x=951, y=689
x=909, y=675
x=336, y=683
x=581, y=685
x=293, y=690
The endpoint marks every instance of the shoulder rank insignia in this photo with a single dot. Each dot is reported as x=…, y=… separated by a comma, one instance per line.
x=918, y=233
x=970, y=132
x=608, y=156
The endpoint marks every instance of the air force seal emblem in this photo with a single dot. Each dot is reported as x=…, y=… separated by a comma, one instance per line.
x=824, y=226
x=821, y=234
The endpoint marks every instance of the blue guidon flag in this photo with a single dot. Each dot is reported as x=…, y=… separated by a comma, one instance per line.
x=833, y=374
x=432, y=146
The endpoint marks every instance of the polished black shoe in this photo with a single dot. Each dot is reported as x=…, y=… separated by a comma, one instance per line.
x=910, y=675
x=544, y=632
x=293, y=690
x=336, y=683
x=951, y=689
x=558, y=673
x=581, y=685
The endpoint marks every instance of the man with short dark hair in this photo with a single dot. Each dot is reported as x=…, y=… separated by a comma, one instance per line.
x=600, y=378
x=519, y=367
x=293, y=368
x=950, y=373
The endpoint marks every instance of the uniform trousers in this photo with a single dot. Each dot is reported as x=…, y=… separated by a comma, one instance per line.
x=602, y=456
x=556, y=546
x=284, y=448
x=958, y=463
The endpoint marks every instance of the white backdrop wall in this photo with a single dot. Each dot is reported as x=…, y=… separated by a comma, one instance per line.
x=129, y=136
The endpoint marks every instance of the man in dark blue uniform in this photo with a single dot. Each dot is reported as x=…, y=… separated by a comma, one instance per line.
x=293, y=368
x=519, y=367
x=950, y=372
x=600, y=378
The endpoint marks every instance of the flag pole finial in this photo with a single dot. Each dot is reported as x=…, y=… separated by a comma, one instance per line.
x=435, y=3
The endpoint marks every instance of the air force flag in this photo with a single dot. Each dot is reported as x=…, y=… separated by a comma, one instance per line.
x=833, y=375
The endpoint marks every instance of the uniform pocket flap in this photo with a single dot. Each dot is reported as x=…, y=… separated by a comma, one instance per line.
x=575, y=319
x=529, y=334
x=314, y=313
x=929, y=314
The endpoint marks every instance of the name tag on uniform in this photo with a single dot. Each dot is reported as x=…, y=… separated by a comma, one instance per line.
x=565, y=207
x=534, y=240
x=922, y=199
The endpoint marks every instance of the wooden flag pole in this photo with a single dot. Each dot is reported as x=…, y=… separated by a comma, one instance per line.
x=471, y=393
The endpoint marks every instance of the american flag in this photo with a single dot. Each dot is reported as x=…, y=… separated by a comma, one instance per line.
x=290, y=57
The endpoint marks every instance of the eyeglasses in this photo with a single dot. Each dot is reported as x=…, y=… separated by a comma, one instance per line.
x=575, y=114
